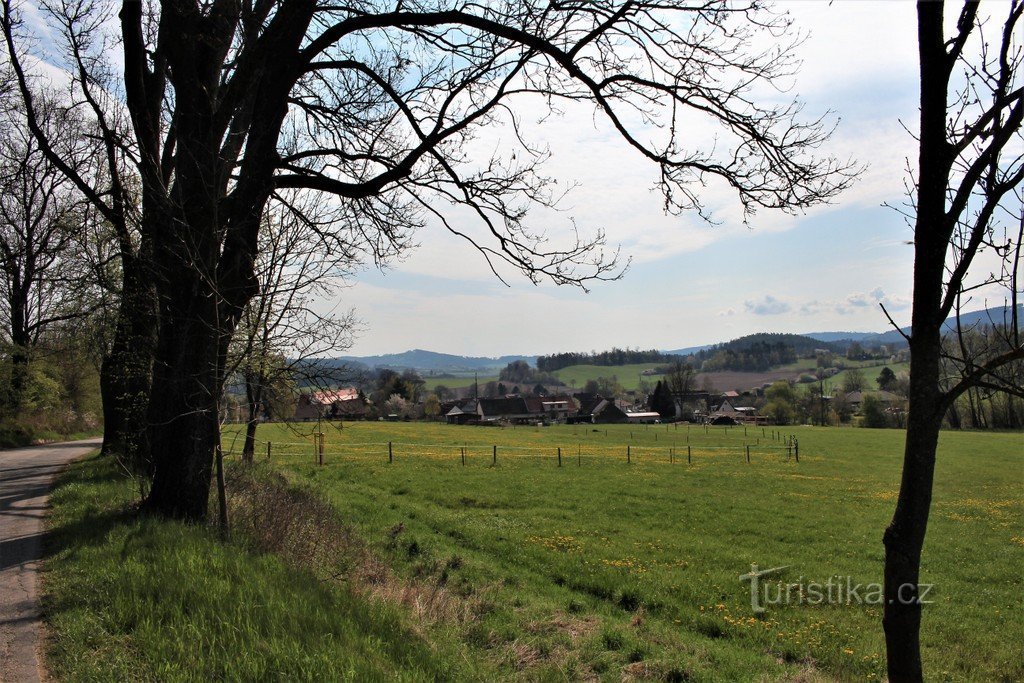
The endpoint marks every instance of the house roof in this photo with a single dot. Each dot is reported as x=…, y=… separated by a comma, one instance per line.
x=323, y=397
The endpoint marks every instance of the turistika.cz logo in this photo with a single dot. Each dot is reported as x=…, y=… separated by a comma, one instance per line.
x=837, y=590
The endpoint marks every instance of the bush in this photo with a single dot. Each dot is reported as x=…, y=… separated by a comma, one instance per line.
x=873, y=413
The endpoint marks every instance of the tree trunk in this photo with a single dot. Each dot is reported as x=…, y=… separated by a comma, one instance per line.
x=253, y=395
x=904, y=537
x=183, y=420
x=127, y=371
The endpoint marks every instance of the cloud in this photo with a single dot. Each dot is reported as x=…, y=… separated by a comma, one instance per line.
x=729, y=312
x=871, y=299
x=769, y=305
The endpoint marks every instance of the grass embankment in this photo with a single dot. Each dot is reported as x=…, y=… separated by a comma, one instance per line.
x=531, y=571
x=610, y=568
x=135, y=598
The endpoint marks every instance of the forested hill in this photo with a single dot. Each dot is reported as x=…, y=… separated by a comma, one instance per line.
x=616, y=356
x=757, y=352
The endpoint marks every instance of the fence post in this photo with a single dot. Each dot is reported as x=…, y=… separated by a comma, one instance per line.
x=320, y=449
x=579, y=455
x=796, y=450
x=494, y=457
x=268, y=450
x=688, y=458
x=559, y=456
x=748, y=452
x=463, y=457
x=629, y=457
x=789, y=452
x=391, y=453
x=670, y=455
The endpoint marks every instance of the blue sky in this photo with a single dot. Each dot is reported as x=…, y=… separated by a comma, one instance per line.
x=691, y=283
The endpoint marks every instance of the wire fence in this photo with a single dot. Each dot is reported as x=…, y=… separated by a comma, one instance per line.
x=317, y=448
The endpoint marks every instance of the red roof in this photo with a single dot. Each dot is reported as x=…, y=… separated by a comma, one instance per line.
x=328, y=397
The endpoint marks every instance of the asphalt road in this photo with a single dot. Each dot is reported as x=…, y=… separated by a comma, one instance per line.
x=26, y=475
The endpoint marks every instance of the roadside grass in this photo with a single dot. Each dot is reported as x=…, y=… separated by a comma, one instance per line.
x=128, y=597
x=612, y=569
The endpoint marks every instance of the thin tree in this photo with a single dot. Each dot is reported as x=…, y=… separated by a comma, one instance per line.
x=965, y=201
x=384, y=100
x=283, y=336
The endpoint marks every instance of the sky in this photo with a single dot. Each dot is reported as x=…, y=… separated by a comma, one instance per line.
x=689, y=282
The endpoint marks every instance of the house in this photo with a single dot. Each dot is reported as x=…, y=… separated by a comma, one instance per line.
x=855, y=398
x=729, y=413
x=512, y=409
x=330, y=405
x=597, y=410
x=643, y=417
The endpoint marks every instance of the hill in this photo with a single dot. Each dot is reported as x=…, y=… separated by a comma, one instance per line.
x=432, y=361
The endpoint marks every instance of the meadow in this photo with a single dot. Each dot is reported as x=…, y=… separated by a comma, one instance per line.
x=626, y=559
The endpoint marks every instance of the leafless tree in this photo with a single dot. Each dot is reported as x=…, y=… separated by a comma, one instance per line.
x=42, y=278
x=80, y=45
x=965, y=203
x=283, y=334
x=384, y=100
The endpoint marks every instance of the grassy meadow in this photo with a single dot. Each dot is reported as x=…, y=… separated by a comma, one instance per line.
x=610, y=569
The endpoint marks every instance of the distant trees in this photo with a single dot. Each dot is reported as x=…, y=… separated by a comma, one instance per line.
x=853, y=381
x=680, y=379
x=781, y=404
x=431, y=406
x=756, y=357
x=886, y=379
x=615, y=356
x=44, y=277
x=662, y=402
x=607, y=387
x=521, y=372
x=872, y=412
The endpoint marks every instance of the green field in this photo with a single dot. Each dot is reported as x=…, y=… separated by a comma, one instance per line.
x=629, y=376
x=611, y=568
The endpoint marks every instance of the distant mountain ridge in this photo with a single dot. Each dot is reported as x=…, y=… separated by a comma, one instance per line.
x=434, y=362
x=421, y=359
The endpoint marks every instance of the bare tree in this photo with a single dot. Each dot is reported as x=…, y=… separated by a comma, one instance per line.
x=80, y=45
x=384, y=99
x=42, y=282
x=965, y=202
x=282, y=335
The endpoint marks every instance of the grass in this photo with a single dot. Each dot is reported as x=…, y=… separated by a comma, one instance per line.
x=135, y=598
x=628, y=376
x=607, y=568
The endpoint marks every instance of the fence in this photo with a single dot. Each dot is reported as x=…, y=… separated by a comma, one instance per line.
x=393, y=451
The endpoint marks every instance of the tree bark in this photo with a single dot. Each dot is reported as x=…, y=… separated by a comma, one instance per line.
x=127, y=371
x=183, y=421
x=904, y=537
x=253, y=395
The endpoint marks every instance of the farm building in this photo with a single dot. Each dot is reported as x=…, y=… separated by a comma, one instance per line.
x=512, y=409
x=597, y=410
x=330, y=405
x=643, y=417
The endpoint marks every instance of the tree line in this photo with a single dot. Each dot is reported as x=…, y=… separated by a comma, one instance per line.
x=615, y=356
